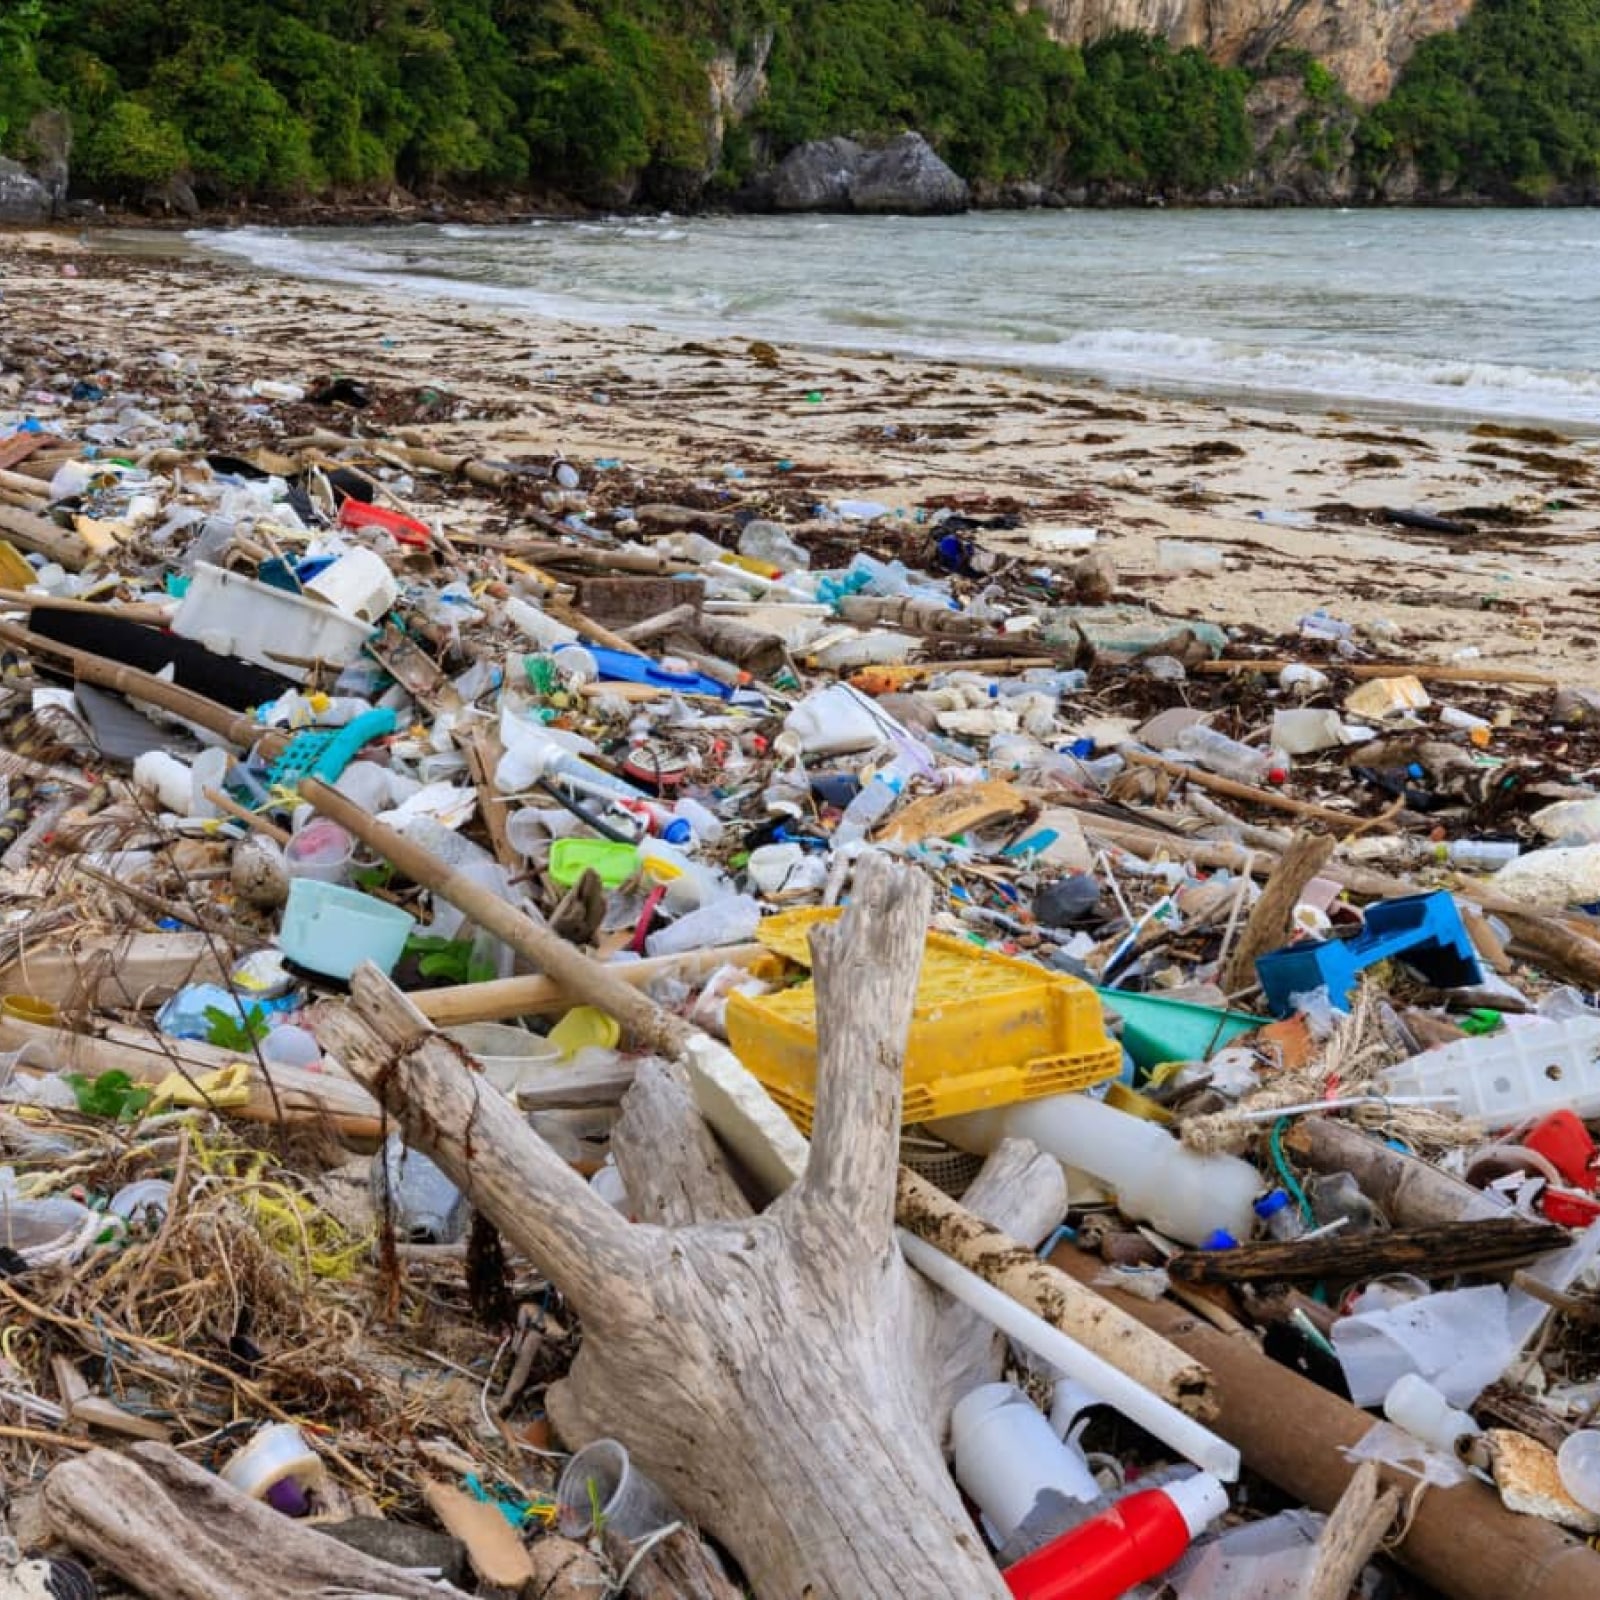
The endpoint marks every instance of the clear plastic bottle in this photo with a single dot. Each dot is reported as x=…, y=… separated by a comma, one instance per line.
x=1478, y=855
x=428, y=1207
x=1280, y=1216
x=772, y=542
x=1216, y=752
x=873, y=801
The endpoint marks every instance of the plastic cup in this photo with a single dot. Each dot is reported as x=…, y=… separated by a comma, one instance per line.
x=320, y=850
x=1578, y=1462
x=601, y=1485
x=504, y=1052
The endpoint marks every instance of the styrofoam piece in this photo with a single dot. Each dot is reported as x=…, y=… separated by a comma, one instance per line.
x=237, y=616
x=1505, y=1078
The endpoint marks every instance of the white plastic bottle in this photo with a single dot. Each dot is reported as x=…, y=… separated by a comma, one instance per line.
x=1183, y=1194
x=1414, y=1404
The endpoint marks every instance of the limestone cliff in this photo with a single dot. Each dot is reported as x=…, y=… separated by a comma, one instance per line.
x=1364, y=42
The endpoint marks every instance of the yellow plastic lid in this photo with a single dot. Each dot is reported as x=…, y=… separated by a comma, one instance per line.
x=584, y=1027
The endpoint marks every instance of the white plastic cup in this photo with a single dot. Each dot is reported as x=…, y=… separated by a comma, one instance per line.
x=320, y=850
x=600, y=1484
x=1007, y=1455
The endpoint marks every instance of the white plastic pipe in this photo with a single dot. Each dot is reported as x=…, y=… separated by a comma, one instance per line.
x=1204, y=1448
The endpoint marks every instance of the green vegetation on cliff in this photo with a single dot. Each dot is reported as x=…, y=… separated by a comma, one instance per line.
x=608, y=100
x=1509, y=104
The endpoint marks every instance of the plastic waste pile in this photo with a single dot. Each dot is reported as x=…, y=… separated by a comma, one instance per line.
x=1284, y=949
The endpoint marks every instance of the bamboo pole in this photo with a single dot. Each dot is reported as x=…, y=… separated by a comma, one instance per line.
x=1426, y=672
x=1257, y=797
x=1462, y=1541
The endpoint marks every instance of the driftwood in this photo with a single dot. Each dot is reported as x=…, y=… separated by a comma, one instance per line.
x=176, y=1532
x=1267, y=927
x=1439, y=1250
x=1410, y=1192
x=1342, y=820
x=677, y=1567
x=1425, y=671
x=772, y=1372
x=1354, y=1531
x=1089, y=1318
x=1462, y=1541
x=36, y=535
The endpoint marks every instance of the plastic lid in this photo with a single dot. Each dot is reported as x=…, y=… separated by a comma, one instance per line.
x=1219, y=1239
x=677, y=832
x=1269, y=1205
x=1200, y=1500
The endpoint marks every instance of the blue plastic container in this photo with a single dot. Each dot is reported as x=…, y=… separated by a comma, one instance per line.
x=332, y=930
x=1423, y=930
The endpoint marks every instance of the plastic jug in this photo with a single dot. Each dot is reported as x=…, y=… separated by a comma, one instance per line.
x=1156, y=1179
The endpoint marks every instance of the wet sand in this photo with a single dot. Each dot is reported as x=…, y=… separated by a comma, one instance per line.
x=912, y=433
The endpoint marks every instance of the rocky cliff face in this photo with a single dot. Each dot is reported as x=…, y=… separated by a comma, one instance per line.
x=1364, y=42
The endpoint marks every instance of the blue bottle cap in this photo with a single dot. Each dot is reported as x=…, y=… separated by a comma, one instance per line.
x=677, y=831
x=1269, y=1205
x=1219, y=1240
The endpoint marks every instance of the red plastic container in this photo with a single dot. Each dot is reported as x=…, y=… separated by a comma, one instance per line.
x=1138, y=1538
x=1565, y=1143
x=404, y=529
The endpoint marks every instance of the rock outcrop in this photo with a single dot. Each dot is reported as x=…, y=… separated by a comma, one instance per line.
x=903, y=176
x=23, y=199
x=1364, y=42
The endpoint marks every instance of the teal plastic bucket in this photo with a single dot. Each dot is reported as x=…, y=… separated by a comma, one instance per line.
x=332, y=930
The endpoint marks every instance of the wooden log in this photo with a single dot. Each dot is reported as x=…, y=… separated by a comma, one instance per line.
x=1268, y=925
x=168, y=1528
x=677, y=1567
x=563, y=1569
x=661, y=624
x=1088, y=1317
x=1410, y=1192
x=1462, y=1541
x=757, y=651
x=1435, y=1251
x=697, y=1339
x=36, y=535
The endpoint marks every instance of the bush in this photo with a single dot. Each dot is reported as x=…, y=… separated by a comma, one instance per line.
x=131, y=148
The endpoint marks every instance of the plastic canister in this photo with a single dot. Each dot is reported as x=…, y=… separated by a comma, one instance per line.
x=321, y=850
x=277, y=1466
x=1007, y=1455
x=839, y=720
x=1184, y=1194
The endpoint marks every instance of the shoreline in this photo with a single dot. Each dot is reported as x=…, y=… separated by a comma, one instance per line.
x=725, y=413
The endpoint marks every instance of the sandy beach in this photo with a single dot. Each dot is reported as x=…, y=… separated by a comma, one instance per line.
x=772, y=424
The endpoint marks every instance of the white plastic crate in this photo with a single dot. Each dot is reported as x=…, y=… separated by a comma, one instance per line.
x=237, y=616
x=1511, y=1076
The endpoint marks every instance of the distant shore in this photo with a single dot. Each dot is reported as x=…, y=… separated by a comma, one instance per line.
x=736, y=417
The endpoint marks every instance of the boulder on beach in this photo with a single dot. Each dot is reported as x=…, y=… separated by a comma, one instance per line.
x=22, y=197
x=904, y=175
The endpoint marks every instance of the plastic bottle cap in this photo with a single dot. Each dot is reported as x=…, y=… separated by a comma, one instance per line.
x=1200, y=1500
x=1219, y=1239
x=1269, y=1205
x=677, y=832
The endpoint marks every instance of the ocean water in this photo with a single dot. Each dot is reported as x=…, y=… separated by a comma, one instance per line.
x=1475, y=313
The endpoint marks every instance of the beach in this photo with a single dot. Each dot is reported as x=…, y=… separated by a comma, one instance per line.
x=776, y=425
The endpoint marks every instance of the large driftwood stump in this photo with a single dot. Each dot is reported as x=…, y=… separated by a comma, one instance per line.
x=786, y=1377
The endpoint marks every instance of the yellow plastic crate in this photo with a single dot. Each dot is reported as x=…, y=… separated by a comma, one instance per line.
x=986, y=1030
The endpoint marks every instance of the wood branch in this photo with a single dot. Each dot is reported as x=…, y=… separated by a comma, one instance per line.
x=1555, y=945
x=850, y=1179
x=1410, y=1192
x=1426, y=671
x=1438, y=1250
x=136, y=972
x=563, y=1569
x=499, y=998
x=1351, y=1538
x=1341, y=820
x=1268, y=925
x=483, y=753
x=1461, y=1541
x=659, y=626
x=277, y=1093
x=757, y=651
x=1081, y=1313
x=173, y=1531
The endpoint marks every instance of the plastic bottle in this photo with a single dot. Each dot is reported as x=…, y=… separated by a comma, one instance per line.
x=772, y=542
x=731, y=920
x=1478, y=855
x=1184, y=1194
x=1216, y=752
x=873, y=801
x=1414, y=1404
x=1286, y=519
x=1280, y=1215
x=534, y=624
x=428, y=1208
x=1138, y=1538
x=690, y=547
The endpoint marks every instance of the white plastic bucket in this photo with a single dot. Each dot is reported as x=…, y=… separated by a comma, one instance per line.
x=506, y=1054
